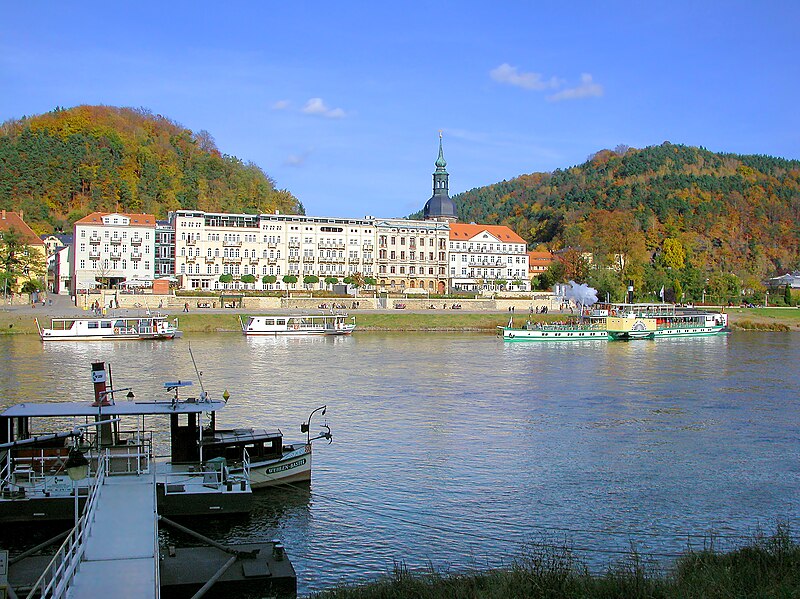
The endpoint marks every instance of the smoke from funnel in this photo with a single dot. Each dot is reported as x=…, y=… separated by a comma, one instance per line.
x=581, y=294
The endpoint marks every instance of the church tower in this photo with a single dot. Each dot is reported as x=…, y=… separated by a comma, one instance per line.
x=440, y=207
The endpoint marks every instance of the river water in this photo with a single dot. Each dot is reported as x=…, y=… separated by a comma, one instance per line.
x=461, y=451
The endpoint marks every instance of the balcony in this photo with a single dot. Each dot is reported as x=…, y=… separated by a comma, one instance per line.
x=116, y=256
x=232, y=244
x=325, y=245
x=94, y=239
x=254, y=261
x=136, y=241
x=272, y=245
x=353, y=260
x=210, y=259
x=136, y=257
x=116, y=241
x=294, y=244
x=294, y=258
x=231, y=260
x=272, y=260
x=368, y=246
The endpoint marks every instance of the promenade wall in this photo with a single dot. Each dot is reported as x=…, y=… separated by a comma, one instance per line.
x=171, y=302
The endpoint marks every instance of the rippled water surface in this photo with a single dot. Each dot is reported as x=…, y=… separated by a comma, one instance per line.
x=458, y=450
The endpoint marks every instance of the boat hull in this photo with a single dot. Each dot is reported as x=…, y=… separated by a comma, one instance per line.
x=49, y=336
x=554, y=335
x=293, y=467
x=299, y=333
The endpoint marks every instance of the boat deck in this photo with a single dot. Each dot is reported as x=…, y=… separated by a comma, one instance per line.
x=120, y=556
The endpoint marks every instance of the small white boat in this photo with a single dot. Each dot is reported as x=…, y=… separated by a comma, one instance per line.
x=299, y=324
x=110, y=328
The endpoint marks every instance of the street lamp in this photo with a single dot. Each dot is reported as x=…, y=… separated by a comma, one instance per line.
x=77, y=467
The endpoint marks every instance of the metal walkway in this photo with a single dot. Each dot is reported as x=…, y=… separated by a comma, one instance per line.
x=121, y=550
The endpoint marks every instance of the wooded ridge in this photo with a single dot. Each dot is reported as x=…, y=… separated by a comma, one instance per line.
x=60, y=166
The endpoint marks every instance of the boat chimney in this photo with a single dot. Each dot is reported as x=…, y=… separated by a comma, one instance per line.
x=630, y=291
x=99, y=380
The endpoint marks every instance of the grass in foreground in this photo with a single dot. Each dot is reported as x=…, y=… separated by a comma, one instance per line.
x=767, y=567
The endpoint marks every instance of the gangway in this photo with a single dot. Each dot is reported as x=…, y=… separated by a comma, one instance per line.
x=113, y=549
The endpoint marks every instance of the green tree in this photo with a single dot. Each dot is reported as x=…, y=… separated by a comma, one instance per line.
x=289, y=279
x=310, y=280
x=248, y=279
x=677, y=290
x=225, y=278
x=331, y=280
x=370, y=281
x=19, y=262
x=500, y=282
x=787, y=295
x=269, y=279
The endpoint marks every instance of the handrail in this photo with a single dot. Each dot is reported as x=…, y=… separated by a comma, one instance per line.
x=59, y=573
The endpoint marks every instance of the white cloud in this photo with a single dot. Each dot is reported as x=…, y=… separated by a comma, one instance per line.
x=586, y=89
x=505, y=73
x=281, y=105
x=297, y=160
x=316, y=106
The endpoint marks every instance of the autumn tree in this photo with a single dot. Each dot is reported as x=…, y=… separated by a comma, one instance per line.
x=673, y=253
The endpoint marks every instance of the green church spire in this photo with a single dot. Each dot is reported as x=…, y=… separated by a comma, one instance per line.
x=441, y=163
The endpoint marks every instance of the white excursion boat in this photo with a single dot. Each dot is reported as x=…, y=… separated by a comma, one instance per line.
x=592, y=328
x=662, y=321
x=206, y=470
x=110, y=328
x=299, y=324
x=623, y=322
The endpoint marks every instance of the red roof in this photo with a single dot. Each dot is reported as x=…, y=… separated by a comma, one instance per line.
x=12, y=220
x=137, y=220
x=465, y=232
x=540, y=257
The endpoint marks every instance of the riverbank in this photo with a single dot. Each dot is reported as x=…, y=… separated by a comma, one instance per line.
x=768, y=567
x=20, y=320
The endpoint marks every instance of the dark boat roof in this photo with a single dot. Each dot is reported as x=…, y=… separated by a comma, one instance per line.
x=241, y=435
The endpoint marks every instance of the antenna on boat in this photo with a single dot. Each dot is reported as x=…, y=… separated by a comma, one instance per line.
x=203, y=394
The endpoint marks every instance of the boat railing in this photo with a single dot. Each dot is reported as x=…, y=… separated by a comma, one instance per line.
x=132, y=458
x=59, y=573
x=246, y=463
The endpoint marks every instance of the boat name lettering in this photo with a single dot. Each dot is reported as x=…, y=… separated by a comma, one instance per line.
x=286, y=467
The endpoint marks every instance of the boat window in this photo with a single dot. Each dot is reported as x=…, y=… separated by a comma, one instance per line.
x=92, y=325
x=106, y=324
x=281, y=321
x=119, y=323
x=269, y=321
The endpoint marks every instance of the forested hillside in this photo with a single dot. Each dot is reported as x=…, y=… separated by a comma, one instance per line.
x=60, y=166
x=682, y=217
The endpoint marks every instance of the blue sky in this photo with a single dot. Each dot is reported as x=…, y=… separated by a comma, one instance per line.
x=341, y=103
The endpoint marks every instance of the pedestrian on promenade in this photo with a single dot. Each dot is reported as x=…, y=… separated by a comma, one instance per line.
x=186, y=307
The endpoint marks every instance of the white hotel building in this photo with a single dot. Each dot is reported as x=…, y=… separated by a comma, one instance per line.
x=111, y=248
x=208, y=245
x=488, y=257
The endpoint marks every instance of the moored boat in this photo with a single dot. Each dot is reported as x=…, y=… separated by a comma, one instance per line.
x=623, y=322
x=589, y=330
x=205, y=471
x=299, y=324
x=662, y=321
x=110, y=328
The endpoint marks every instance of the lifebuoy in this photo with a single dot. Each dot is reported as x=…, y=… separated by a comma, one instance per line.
x=116, y=330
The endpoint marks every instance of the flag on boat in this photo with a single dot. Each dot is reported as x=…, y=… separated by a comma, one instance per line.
x=661, y=293
x=511, y=322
